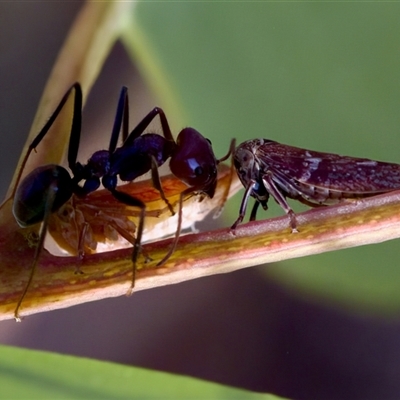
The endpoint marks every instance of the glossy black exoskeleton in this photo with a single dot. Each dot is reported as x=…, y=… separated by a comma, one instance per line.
x=45, y=189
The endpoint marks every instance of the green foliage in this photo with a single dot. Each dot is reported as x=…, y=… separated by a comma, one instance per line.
x=322, y=76
x=38, y=375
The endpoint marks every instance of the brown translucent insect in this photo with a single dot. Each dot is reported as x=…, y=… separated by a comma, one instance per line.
x=267, y=168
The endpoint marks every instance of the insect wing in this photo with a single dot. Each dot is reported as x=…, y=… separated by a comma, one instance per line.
x=295, y=166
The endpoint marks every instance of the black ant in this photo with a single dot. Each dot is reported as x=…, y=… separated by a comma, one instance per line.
x=48, y=188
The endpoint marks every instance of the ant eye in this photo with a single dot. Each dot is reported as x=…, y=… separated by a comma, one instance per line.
x=198, y=171
x=209, y=141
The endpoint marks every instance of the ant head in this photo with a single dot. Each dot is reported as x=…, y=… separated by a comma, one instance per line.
x=44, y=184
x=194, y=162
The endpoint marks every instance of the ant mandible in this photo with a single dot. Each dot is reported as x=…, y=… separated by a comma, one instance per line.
x=47, y=188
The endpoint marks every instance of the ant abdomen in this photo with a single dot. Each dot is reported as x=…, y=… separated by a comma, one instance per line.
x=32, y=193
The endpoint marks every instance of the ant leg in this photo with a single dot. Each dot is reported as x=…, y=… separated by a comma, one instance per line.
x=231, y=173
x=74, y=135
x=146, y=121
x=231, y=150
x=125, y=122
x=157, y=183
x=132, y=201
x=76, y=126
x=121, y=117
x=130, y=238
x=42, y=235
x=178, y=228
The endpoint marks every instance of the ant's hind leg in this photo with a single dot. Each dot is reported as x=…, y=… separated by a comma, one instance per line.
x=42, y=235
x=74, y=134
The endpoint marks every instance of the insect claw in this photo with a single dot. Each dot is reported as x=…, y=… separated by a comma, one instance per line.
x=232, y=230
x=146, y=256
x=78, y=271
x=130, y=290
x=171, y=209
x=219, y=211
x=237, y=222
x=17, y=317
x=293, y=221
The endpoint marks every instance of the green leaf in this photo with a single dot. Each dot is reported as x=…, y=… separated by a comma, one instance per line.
x=39, y=375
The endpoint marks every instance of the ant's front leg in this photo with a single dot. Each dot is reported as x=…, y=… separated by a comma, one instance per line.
x=155, y=177
x=225, y=195
x=171, y=250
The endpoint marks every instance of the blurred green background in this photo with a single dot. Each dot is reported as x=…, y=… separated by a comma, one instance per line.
x=323, y=76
